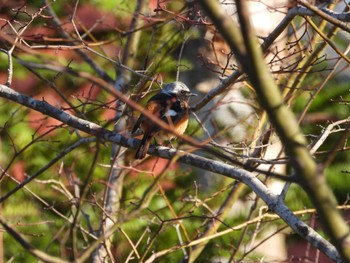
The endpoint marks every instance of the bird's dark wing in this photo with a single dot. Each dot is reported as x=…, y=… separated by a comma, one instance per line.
x=166, y=107
x=154, y=105
x=176, y=111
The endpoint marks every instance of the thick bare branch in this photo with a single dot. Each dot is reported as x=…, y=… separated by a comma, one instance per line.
x=35, y=252
x=282, y=118
x=273, y=201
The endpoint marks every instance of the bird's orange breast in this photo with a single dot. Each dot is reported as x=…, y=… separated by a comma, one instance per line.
x=180, y=128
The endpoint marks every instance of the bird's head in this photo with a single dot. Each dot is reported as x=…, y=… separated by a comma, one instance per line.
x=179, y=89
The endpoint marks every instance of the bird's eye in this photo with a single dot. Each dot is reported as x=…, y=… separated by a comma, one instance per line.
x=183, y=92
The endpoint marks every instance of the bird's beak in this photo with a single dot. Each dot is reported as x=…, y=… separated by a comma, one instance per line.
x=192, y=94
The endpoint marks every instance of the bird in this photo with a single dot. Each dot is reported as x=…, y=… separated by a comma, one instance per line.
x=170, y=104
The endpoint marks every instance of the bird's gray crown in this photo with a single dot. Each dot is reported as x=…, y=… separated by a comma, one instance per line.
x=176, y=88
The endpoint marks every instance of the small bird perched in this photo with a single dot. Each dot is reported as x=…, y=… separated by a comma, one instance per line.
x=170, y=104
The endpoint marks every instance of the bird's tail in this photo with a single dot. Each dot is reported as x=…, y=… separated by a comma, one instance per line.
x=143, y=146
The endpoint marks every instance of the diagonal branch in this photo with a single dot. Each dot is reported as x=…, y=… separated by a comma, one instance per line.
x=35, y=252
x=273, y=201
x=107, y=135
x=328, y=15
x=251, y=59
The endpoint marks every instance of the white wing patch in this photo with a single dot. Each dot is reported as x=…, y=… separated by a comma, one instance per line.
x=170, y=113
